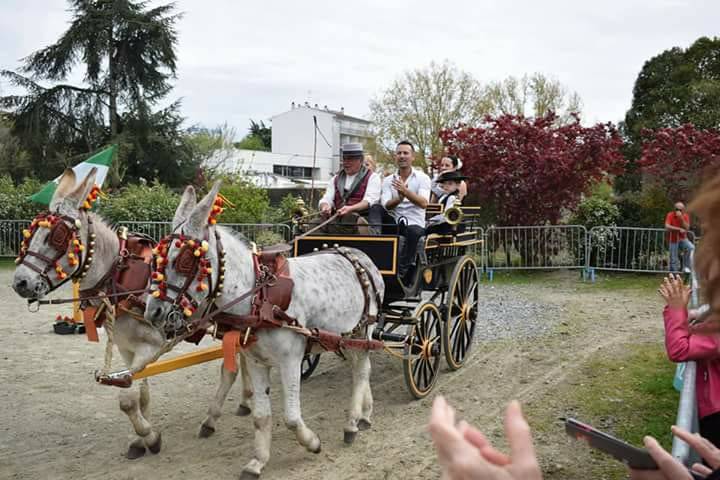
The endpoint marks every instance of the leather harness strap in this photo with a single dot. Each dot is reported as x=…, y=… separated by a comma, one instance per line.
x=70, y=227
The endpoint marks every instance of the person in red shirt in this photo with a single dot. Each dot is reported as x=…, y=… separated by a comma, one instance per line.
x=677, y=224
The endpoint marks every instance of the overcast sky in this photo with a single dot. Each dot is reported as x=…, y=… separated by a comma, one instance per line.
x=241, y=59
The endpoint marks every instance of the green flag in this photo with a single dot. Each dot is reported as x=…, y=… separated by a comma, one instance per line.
x=100, y=160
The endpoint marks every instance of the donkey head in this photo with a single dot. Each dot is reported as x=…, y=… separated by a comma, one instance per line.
x=53, y=250
x=182, y=271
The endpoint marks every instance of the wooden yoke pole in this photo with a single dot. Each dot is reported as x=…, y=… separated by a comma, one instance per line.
x=181, y=361
x=77, y=314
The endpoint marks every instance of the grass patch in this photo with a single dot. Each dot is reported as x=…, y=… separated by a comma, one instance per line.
x=624, y=281
x=7, y=263
x=526, y=277
x=628, y=396
x=603, y=281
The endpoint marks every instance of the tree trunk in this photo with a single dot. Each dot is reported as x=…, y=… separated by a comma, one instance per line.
x=114, y=170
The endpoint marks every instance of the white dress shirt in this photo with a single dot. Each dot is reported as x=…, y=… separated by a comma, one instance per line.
x=372, y=192
x=418, y=182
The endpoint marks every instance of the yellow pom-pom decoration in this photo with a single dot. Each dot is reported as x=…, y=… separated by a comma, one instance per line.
x=197, y=252
x=58, y=268
x=71, y=255
x=44, y=223
x=159, y=260
x=86, y=205
x=81, y=247
x=156, y=293
x=191, y=243
x=187, y=312
x=155, y=251
x=27, y=233
x=205, y=246
x=213, y=221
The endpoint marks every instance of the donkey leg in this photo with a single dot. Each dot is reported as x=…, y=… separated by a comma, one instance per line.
x=367, y=403
x=262, y=416
x=247, y=391
x=360, y=378
x=227, y=379
x=290, y=375
x=135, y=404
x=136, y=448
x=154, y=439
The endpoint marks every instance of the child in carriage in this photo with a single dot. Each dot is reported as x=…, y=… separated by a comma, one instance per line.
x=449, y=184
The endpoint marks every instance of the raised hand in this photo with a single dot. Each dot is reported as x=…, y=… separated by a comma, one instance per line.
x=674, y=291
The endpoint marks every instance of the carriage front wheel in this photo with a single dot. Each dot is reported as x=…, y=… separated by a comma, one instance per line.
x=422, y=351
x=461, y=312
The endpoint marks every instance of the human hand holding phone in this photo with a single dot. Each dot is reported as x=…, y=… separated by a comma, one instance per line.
x=652, y=463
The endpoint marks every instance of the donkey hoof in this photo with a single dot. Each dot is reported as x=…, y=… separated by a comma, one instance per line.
x=243, y=411
x=155, y=447
x=206, y=431
x=318, y=449
x=349, y=437
x=364, y=424
x=135, y=452
x=247, y=475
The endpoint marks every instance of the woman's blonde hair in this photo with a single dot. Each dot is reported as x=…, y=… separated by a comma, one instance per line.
x=706, y=206
x=370, y=163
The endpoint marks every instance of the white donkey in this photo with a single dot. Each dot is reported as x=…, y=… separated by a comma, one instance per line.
x=138, y=342
x=327, y=295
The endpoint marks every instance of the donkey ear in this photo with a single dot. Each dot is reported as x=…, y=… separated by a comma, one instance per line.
x=80, y=194
x=67, y=183
x=187, y=203
x=199, y=216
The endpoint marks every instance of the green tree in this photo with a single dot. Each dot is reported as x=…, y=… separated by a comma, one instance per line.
x=531, y=96
x=127, y=51
x=676, y=87
x=422, y=102
x=14, y=161
x=258, y=138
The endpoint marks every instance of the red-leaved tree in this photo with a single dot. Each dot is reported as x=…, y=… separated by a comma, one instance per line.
x=528, y=170
x=680, y=158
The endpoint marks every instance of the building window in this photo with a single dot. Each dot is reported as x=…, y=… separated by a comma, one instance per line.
x=293, y=172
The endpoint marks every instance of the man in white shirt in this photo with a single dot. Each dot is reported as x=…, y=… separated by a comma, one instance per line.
x=403, y=201
x=351, y=192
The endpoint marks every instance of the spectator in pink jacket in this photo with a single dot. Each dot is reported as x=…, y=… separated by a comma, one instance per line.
x=702, y=342
x=683, y=345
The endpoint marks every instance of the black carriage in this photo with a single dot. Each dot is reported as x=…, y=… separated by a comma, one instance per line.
x=434, y=312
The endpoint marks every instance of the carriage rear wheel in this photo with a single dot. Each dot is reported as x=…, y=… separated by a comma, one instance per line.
x=422, y=350
x=309, y=364
x=462, y=311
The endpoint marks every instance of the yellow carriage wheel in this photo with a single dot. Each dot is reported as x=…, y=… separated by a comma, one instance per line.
x=461, y=312
x=423, y=350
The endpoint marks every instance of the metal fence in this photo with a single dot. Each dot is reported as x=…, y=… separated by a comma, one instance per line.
x=11, y=236
x=261, y=233
x=628, y=249
x=687, y=417
x=535, y=247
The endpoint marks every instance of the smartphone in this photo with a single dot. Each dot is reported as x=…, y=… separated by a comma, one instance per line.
x=634, y=457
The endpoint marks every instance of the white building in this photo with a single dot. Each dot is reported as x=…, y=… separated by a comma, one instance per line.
x=272, y=170
x=293, y=132
x=291, y=159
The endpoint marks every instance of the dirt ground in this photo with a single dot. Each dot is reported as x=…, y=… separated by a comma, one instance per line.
x=57, y=423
